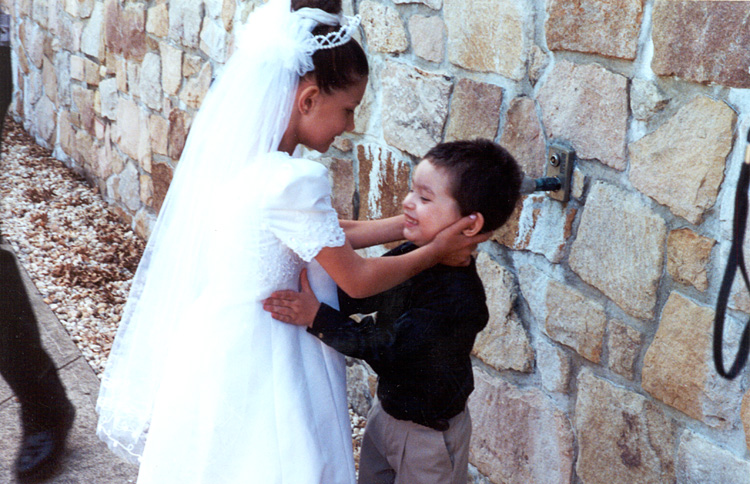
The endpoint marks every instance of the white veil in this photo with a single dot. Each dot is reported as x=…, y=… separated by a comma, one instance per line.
x=244, y=115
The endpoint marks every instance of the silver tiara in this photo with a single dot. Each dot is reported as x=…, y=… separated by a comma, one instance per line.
x=337, y=37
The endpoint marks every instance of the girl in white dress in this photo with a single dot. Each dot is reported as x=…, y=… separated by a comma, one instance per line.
x=202, y=385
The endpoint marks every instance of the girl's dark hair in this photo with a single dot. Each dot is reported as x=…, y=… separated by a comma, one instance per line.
x=485, y=178
x=342, y=66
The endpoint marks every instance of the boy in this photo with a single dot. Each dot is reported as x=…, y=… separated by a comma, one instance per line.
x=420, y=340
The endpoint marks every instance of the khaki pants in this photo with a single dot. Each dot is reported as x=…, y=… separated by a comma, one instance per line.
x=402, y=452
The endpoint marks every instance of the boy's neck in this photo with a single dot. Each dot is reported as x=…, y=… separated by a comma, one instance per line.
x=450, y=263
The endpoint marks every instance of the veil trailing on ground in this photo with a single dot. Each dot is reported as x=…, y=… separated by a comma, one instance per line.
x=244, y=115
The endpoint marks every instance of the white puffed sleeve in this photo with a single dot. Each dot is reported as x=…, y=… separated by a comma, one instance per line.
x=298, y=207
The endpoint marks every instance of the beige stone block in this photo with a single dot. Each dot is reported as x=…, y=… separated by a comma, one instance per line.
x=604, y=253
x=575, y=321
x=79, y=8
x=344, y=144
x=646, y=99
x=131, y=132
x=161, y=177
x=524, y=138
x=701, y=461
x=196, y=88
x=487, y=36
x=49, y=74
x=91, y=72
x=158, y=127
x=23, y=60
x=150, y=81
x=519, y=436
x=92, y=41
x=415, y=107
x=171, y=68
x=659, y=160
x=214, y=40
x=45, y=121
x=191, y=65
x=538, y=224
x=688, y=255
x=85, y=150
x=67, y=135
x=745, y=416
x=587, y=105
x=228, y=9
x=109, y=98
x=363, y=112
x=121, y=74
x=623, y=438
x=383, y=182
x=578, y=183
x=83, y=102
x=384, y=29
x=504, y=343
x=685, y=49
x=433, y=4
x=33, y=43
x=678, y=368
x=624, y=345
x=475, y=111
x=146, y=190
x=428, y=37
x=538, y=63
x=157, y=20
x=179, y=125
x=579, y=26
x=125, y=29
x=554, y=366
x=70, y=34
x=143, y=224
x=341, y=175
x=185, y=18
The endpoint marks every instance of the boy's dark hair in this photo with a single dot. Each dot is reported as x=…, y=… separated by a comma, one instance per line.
x=342, y=66
x=485, y=178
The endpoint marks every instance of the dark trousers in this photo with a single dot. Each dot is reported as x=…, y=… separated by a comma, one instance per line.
x=6, y=85
x=25, y=366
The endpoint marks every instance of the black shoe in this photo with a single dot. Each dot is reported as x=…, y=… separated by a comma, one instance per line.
x=41, y=449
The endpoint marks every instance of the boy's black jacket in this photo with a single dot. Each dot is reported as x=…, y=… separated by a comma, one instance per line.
x=420, y=341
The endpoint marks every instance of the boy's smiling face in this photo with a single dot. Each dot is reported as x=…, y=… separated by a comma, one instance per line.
x=429, y=207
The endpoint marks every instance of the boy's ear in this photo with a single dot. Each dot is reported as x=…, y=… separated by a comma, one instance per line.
x=307, y=98
x=476, y=227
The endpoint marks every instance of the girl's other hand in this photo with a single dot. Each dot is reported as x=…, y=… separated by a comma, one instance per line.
x=298, y=308
x=454, y=246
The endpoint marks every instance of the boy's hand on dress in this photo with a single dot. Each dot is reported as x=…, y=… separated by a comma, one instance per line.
x=454, y=246
x=294, y=307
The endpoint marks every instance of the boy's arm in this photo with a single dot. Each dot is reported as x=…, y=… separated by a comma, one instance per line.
x=357, y=339
x=361, y=277
x=367, y=233
x=363, y=339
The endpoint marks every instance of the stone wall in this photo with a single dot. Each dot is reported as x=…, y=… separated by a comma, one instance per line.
x=596, y=364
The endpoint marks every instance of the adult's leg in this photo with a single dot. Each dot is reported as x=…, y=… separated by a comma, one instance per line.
x=46, y=413
x=24, y=364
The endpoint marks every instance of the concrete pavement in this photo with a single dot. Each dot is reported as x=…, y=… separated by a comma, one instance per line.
x=87, y=460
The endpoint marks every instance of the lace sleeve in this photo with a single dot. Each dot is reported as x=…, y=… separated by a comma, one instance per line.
x=299, y=211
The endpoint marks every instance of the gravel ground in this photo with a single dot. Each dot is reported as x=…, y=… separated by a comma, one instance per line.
x=78, y=253
x=80, y=256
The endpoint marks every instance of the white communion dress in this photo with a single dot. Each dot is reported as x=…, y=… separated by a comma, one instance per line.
x=202, y=386
x=246, y=398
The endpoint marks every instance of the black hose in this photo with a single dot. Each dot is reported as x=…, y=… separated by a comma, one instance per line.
x=736, y=260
